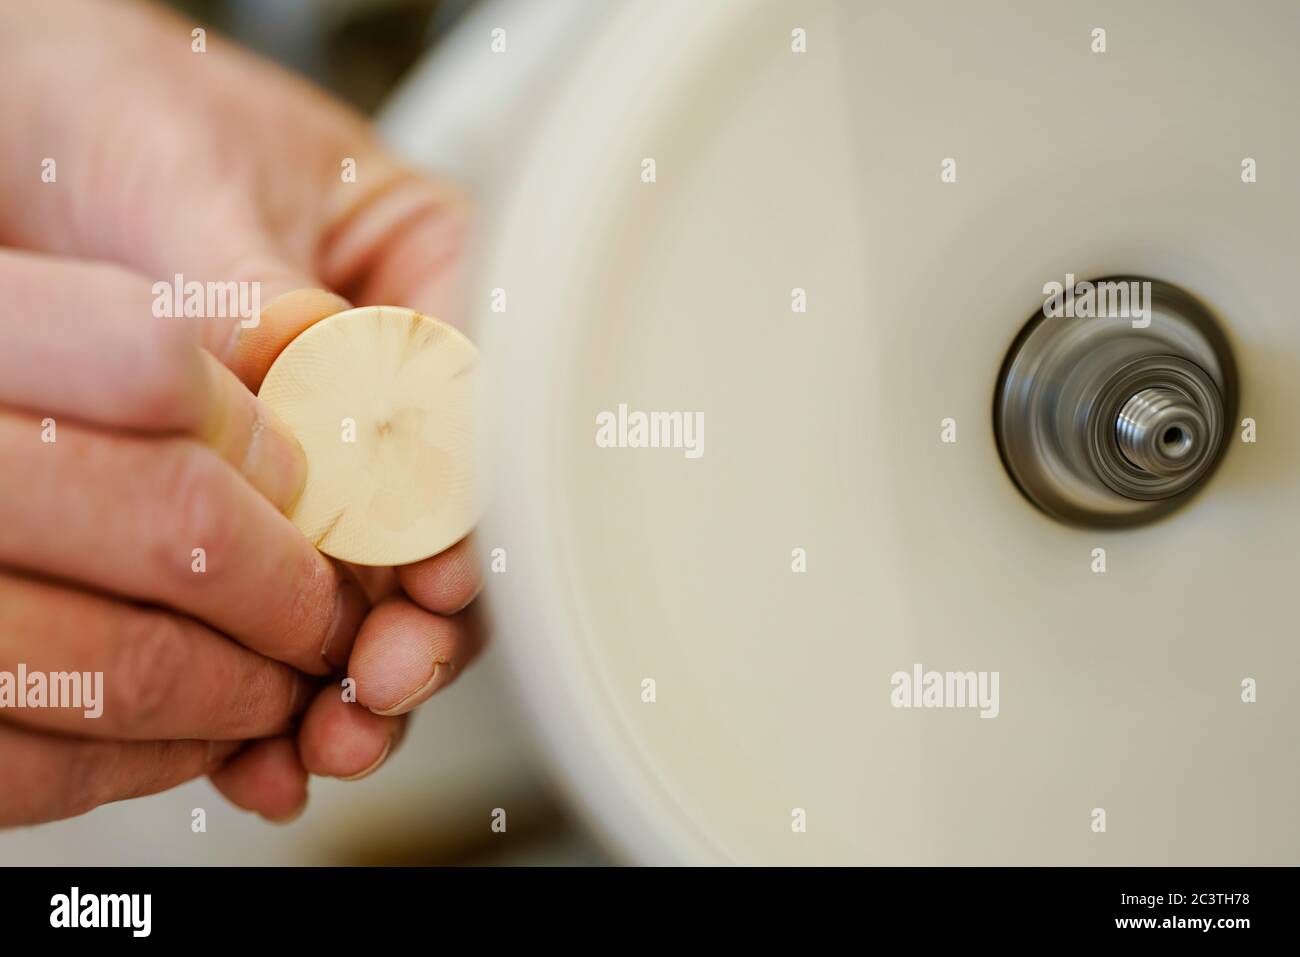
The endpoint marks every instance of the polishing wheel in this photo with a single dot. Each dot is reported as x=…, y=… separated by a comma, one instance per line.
x=955, y=579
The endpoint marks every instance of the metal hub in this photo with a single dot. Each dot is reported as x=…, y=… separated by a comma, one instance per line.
x=1112, y=421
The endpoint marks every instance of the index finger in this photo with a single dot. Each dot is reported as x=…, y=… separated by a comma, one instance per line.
x=82, y=340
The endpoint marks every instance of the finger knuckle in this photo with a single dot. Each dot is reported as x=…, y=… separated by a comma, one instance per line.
x=191, y=514
x=161, y=373
x=146, y=671
x=263, y=701
x=82, y=787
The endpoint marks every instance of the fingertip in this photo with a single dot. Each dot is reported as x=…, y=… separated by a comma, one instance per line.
x=341, y=739
x=267, y=778
x=291, y=305
x=445, y=583
x=405, y=654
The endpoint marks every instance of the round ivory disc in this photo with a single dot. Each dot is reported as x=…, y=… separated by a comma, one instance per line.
x=381, y=399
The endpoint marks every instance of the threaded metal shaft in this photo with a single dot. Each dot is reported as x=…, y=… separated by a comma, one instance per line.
x=1161, y=431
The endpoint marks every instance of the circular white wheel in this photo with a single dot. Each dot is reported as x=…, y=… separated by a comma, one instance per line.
x=826, y=271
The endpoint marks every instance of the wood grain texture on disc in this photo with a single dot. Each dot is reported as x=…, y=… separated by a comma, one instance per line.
x=381, y=399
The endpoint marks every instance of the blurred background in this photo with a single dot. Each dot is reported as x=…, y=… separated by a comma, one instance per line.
x=357, y=49
x=468, y=751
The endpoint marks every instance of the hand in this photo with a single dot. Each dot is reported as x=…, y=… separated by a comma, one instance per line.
x=221, y=168
x=140, y=470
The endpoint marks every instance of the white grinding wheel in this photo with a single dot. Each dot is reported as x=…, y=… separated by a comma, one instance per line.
x=821, y=170
x=381, y=399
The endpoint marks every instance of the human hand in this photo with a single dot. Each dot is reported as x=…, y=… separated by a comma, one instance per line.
x=223, y=169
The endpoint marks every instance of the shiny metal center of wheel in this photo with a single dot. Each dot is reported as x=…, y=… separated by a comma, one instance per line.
x=1112, y=421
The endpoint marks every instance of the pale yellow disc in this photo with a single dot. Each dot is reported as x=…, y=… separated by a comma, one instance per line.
x=381, y=399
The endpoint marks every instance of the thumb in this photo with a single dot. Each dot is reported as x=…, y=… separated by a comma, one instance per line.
x=289, y=304
x=278, y=298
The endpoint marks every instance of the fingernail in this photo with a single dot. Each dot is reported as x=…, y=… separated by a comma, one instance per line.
x=383, y=756
x=442, y=673
x=301, y=694
x=275, y=461
x=350, y=607
x=219, y=751
x=298, y=302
